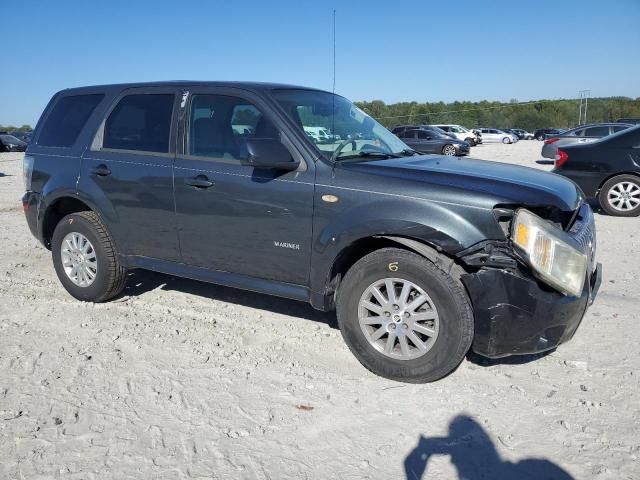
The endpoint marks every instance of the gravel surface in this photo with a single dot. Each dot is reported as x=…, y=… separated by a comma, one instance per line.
x=178, y=379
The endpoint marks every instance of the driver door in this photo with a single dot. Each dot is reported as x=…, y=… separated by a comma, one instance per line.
x=233, y=217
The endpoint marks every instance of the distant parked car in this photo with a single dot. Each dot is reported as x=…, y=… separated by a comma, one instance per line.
x=9, y=143
x=633, y=121
x=432, y=140
x=24, y=136
x=495, y=135
x=542, y=133
x=522, y=134
x=460, y=132
x=581, y=134
x=400, y=128
x=607, y=169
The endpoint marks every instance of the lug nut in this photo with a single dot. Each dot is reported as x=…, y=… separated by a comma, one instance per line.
x=387, y=314
x=396, y=307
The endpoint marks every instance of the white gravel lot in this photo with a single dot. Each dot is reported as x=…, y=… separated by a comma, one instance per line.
x=178, y=379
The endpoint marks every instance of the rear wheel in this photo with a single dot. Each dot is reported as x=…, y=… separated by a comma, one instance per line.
x=449, y=150
x=85, y=259
x=620, y=196
x=403, y=317
x=506, y=140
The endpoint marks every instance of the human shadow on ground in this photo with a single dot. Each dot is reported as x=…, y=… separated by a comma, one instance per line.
x=475, y=457
x=142, y=281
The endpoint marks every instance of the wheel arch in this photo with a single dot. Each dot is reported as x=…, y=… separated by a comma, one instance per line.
x=361, y=247
x=614, y=175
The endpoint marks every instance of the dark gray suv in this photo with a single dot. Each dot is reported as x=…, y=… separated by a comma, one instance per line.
x=424, y=257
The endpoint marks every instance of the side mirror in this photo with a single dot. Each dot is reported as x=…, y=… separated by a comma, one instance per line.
x=268, y=153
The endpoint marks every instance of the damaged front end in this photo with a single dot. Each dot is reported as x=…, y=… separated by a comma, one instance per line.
x=515, y=311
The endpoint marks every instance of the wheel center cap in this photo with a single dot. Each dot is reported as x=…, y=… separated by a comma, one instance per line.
x=397, y=318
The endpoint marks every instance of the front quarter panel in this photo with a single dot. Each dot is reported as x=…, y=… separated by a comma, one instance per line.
x=364, y=207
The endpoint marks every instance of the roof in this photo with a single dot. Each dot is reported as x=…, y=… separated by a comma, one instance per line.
x=189, y=84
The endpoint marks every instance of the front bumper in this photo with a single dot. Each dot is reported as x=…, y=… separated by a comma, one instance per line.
x=514, y=315
x=462, y=150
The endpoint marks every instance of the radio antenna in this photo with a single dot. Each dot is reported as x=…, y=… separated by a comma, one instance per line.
x=334, y=52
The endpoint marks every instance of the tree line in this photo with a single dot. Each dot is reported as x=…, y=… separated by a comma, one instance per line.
x=11, y=128
x=513, y=114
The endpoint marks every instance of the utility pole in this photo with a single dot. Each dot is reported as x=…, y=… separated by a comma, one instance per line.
x=583, y=95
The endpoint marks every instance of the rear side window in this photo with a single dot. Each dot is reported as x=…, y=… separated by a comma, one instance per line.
x=69, y=114
x=596, y=132
x=140, y=122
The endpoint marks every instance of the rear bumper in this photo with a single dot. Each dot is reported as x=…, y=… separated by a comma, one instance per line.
x=31, y=207
x=515, y=316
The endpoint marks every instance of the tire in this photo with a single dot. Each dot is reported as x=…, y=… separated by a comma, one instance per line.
x=109, y=274
x=449, y=150
x=446, y=296
x=506, y=140
x=620, y=196
x=540, y=137
x=470, y=141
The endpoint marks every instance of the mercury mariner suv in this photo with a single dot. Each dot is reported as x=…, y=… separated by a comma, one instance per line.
x=424, y=257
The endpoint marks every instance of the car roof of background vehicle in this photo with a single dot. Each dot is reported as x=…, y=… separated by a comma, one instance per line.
x=262, y=86
x=603, y=124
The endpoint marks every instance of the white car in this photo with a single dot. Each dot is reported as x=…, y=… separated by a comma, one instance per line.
x=461, y=133
x=321, y=134
x=495, y=135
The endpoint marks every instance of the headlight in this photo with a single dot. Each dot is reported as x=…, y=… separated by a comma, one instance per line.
x=549, y=252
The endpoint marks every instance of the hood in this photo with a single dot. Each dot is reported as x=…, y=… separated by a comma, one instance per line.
x=494, y=182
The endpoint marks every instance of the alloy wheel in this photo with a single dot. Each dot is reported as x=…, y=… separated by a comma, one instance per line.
x=398, y=318
x=449, y=150
x=79, y=259
x=624, y=196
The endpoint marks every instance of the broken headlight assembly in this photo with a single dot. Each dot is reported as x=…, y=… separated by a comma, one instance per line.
x=550, y=252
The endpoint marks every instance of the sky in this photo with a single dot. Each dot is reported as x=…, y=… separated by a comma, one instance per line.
x=386, y=50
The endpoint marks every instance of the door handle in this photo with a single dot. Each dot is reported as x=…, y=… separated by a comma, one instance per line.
x=201, y=181
x=101, y=170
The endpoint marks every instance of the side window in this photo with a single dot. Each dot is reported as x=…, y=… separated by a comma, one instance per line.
x=140, y=122
x=408, y=134
x=422, y=135
x=219, y=124
x=596, y=132
x=67, y=118
x=619, y=128
x=578, y=133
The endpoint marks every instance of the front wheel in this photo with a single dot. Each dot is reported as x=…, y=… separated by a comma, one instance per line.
x=506, y=140
x=471, y=141
x=403, y=317
x=449, y=150
x=85, y=259
x=620, y=196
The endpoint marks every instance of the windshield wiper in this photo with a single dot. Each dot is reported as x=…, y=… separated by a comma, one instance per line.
x=368, y=154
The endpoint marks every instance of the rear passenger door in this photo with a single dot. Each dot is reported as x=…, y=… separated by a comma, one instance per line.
x=128, y=171
x=233, y=217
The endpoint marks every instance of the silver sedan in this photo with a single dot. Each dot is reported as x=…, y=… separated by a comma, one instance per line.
x=581, y=134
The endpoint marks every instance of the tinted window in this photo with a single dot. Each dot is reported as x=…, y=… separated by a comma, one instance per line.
x=219, y=124
x=140, y=122
x=424, y=135
x=596, y=132
x=578, y=133
x=619, y=128
x=408, y=134
x=67, y=118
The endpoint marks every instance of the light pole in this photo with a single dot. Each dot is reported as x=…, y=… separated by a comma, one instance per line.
x=583, y=95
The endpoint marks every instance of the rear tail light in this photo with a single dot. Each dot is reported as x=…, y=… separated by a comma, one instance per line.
x=551, y=140
x=27, y=171
x=561, y=158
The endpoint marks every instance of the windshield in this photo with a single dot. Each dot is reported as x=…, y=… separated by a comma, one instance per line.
x=351, y=132
x=10, y=139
